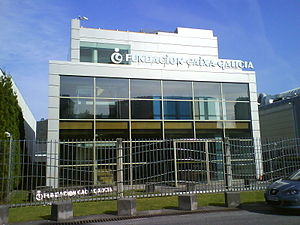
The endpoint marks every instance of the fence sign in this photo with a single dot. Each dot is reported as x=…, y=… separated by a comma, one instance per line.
x=43, y=195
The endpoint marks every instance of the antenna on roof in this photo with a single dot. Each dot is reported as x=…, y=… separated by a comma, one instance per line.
x=83, y=18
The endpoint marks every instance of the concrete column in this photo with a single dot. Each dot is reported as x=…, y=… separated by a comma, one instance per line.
x=119, y=149
x=187, y=202
x=126, y=207
x=232, y=199
x=150, y=187
x=190, y=187
x=61, y=210
x=52, y=164
x=4, y=214
x=75, y=40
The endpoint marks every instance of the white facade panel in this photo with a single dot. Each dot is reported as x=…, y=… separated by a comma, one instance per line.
x=53, y=91
x=53, y=112
x=53, y=100
x=54, y=80
x=53, y=124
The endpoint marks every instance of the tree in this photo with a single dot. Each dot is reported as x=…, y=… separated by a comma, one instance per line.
x=11, y=120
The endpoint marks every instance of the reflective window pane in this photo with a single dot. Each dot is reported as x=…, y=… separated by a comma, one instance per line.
x=104, y=55
x=86, y=54
x=146, y=109
x=147, y=89
x=76, y=108
x=237, y=111
x=177, y=90
x=112, y=109
x=208, y=110
x=207, y=91
x=177, y=110
x=72, y=86
x=112, y=88
x=235, y=92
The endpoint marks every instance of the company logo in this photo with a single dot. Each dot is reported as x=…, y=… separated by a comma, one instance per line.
x=203, y=62
x=116, y=57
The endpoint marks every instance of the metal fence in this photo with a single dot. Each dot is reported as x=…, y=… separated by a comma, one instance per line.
x=35, y=172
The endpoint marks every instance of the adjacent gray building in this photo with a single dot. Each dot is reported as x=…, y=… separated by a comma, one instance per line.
x=280, y=114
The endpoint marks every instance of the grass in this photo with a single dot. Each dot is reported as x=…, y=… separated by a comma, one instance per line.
x=31, y=213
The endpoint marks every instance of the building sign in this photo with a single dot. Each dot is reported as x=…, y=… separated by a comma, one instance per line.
x=223, y=64
x=51, y=194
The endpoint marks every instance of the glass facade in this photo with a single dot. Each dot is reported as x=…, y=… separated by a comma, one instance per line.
x=101, y=52
x=139, y=108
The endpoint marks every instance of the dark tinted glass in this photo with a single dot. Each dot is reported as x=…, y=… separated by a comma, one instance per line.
x=76, y=108
x=104, y=55
x=235, y=92
x=76, y=86
x=177, y=90
x=177, y=110
x=109, y=131
x=112, y=88
x=207, y=91
x=146, y=130
x=112, y=109
x=179, y=130
x=86, y=54
x=237, y=111
x=76, y=134
x=146, y=109
x=148, y=89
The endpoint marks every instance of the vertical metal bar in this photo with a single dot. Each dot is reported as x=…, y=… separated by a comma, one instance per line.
x=162, y=110
x=175, y=163
x=94, y=134
x=130, y=162
x=228, y=171
x=207, y=162
x=120, y=180
x=193, y=110
x=9, y=168
x=95, y=162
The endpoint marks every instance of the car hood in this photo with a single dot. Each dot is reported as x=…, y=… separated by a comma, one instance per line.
x=283, y=185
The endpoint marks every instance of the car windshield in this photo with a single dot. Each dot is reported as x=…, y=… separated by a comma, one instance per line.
x=294, y=176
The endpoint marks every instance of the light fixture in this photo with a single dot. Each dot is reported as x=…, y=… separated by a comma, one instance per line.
x=8, y=135
x=83, y=18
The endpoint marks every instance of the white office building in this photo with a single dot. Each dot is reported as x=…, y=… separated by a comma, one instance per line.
x=134, y=85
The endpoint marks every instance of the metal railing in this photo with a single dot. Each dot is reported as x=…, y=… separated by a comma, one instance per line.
x=37, y=172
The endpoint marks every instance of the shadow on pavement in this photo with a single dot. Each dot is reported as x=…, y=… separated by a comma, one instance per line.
x=263, y=208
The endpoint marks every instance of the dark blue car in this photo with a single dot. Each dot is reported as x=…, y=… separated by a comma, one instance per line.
x=285, y=193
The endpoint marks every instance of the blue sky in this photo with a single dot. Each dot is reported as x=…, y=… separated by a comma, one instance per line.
x=265, y=32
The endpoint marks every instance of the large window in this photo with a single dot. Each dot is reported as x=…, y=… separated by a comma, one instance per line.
x=71, y=86
x=101, y=52
x=112, y=109
x=208, y=110
x=138, y=108
x=237, y=111
x=207, y=91
x=142, y=109
x=145, y=89
x=112, y=88
x=76, y=108
x=178, y=110
x=235, y=92
x=177, y=90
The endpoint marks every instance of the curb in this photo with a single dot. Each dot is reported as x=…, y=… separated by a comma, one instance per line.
x=143, y=214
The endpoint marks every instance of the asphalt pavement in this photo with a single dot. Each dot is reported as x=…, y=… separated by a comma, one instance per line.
x=246, y=214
